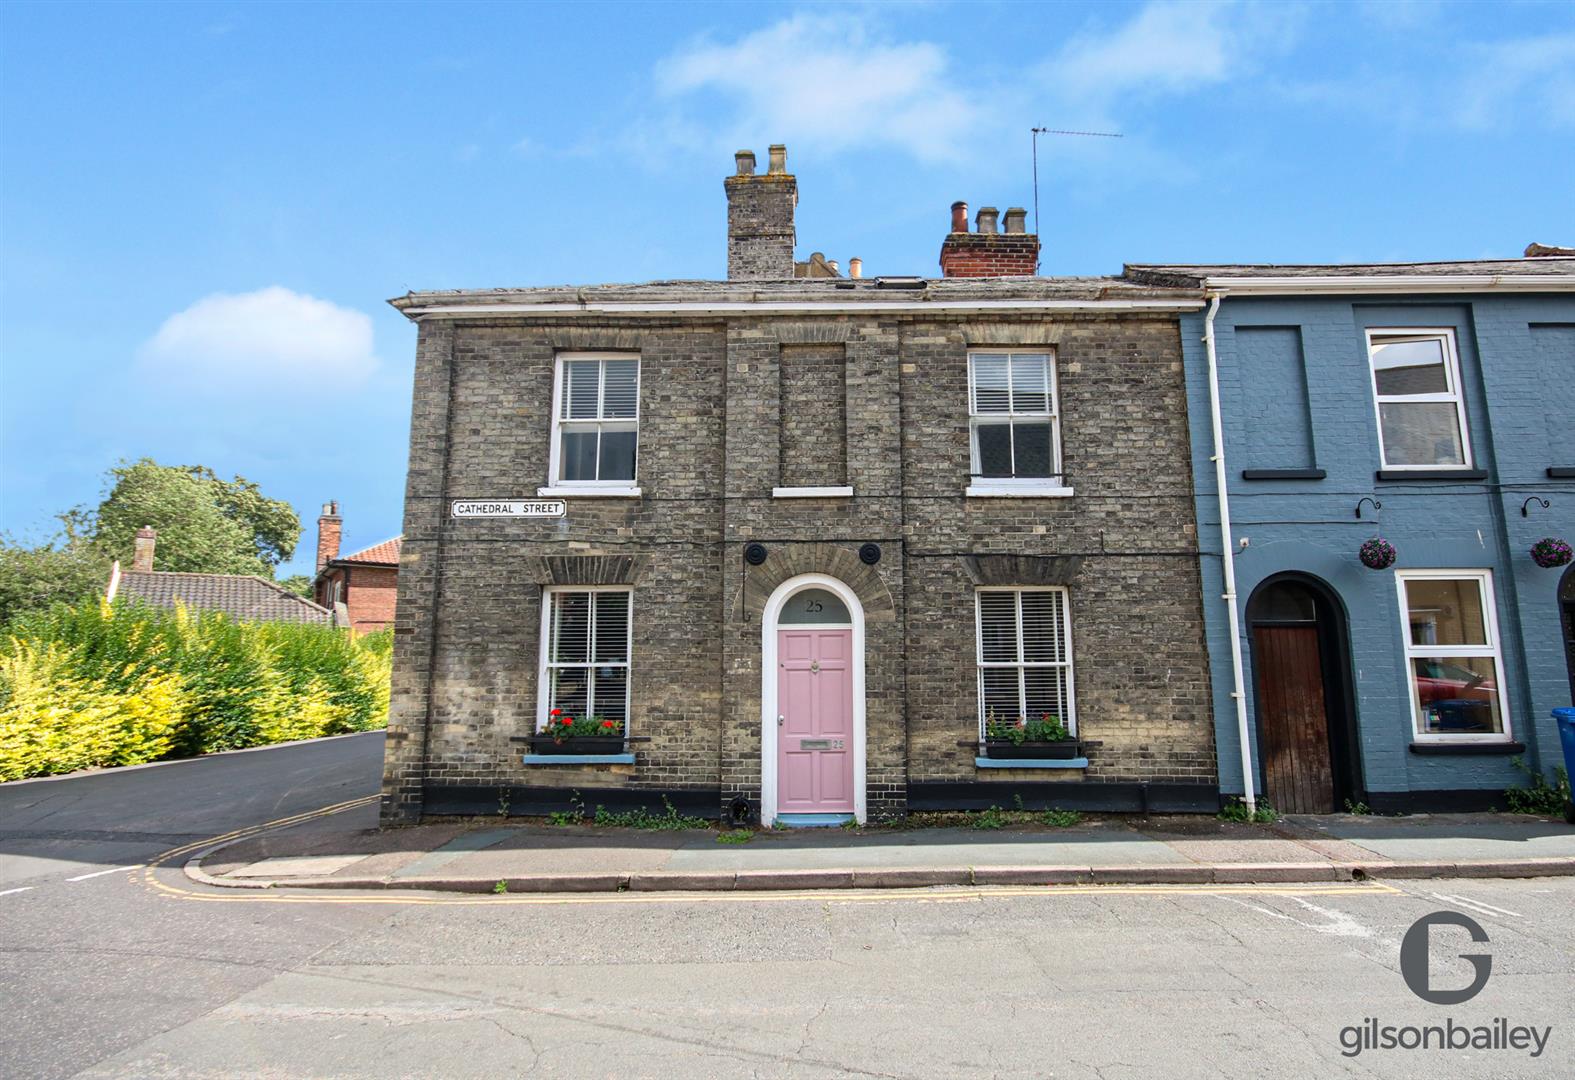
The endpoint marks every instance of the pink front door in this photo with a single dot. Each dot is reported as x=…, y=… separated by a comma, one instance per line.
x=815, y=732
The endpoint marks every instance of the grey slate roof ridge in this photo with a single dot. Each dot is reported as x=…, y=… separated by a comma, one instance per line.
x=1193, y=274
x=863, y=290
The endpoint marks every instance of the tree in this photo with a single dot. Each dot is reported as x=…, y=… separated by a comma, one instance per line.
x=299, y=584
x=67, y=568
x=205, y=524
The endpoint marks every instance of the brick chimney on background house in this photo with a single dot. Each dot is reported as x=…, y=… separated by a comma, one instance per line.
x=760, y=234
x=987, y=252
x=329, y=527
x=142, y=554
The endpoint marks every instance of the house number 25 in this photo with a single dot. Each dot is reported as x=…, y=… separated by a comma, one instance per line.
x=813, y=605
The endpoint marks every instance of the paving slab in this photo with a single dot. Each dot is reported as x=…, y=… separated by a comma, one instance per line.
x=1455, y=837
x=297, y=866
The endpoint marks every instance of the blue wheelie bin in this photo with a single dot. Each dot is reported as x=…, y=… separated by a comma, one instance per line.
x=1566, y=722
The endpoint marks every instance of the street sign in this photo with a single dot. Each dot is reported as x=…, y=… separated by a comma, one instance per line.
x=470, y=508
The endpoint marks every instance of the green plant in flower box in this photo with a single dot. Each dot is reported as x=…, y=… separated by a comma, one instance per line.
x=1018, y=730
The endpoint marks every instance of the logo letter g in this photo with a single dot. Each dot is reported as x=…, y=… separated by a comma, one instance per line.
x=1414, y=965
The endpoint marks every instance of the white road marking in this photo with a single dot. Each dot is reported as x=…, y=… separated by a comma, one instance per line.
x=8, y=892
x=1479, y=906
x=101, y=873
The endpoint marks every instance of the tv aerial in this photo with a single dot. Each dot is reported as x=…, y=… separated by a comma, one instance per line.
x=1038, y=131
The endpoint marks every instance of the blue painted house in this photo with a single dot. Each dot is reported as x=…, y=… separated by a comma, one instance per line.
x=1429, y=405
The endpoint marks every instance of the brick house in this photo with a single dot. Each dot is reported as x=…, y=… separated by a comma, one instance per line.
x=359, y=588
x=244, y=597
x=1431, y=404
x=802, y=538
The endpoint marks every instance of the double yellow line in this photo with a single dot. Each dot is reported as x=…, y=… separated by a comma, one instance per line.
x=974, y=894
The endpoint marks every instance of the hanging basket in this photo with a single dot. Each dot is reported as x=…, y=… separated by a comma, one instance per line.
x=1377, y=554
x=1550, y=551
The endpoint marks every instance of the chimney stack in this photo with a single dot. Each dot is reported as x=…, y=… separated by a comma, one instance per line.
x=989, y=252
x=330, y=526
x=142, y=557
x=760, y=233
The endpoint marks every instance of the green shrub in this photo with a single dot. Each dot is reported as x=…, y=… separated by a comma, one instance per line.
x=1540, y=797
x=1236, y=811
x=92, y=684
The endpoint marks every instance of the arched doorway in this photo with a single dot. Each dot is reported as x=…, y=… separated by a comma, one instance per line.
x=812, y=712
x=1567, y=620
x=1306, y=725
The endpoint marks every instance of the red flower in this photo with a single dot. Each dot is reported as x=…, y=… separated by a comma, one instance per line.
x=607, y=723
x=567, y=720
x=556, y=712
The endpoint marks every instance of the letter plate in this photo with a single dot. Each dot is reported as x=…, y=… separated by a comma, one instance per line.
x=820, y=744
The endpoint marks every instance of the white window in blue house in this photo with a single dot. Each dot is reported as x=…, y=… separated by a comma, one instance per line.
x=1453, y=656
x=1421, y=411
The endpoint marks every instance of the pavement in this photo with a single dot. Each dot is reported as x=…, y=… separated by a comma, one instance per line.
x=346, y=852
x=114, y=963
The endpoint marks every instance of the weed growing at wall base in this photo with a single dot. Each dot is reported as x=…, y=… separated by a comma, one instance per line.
x=95, y=685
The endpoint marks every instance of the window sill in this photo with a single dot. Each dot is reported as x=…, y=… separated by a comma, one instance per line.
x=1008, y=491
x=1432, y=474
x=1030, y=763
x=579, y=759
x=1449, y=748
x=588, y=493
x=843, y=492
x=1283, y=474
x=1561, y=472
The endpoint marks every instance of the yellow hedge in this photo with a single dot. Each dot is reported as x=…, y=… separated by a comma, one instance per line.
x=93, y=685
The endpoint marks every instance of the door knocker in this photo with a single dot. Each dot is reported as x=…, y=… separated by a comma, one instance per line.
x=814, y=667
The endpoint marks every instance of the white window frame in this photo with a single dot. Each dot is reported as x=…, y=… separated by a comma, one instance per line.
x=1021, y=486
x=545, y=663
x=1493, y=649
x=980, y=664
x=1454, y=393
x=556, y=487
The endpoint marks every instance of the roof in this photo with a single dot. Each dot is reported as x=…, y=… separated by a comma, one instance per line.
x=384, y=554
x=1556, y=272
x=908, y=293
x=242, y=596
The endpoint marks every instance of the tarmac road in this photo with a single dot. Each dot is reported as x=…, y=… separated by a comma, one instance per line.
x=130, y=974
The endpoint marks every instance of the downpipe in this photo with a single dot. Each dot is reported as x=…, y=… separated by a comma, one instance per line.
x=1228, y=559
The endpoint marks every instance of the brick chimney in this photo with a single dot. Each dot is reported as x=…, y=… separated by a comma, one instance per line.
x=986, y=252
x=330, y=526
x=142, y=555
x=760, y=233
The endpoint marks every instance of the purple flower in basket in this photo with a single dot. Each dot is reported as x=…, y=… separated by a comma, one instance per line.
x=1377, y=554
x=1550, y=551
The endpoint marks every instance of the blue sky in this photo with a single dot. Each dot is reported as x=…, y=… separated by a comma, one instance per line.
x=203, y=207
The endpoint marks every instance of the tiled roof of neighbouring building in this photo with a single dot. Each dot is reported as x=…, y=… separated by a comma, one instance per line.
x=241, y=596
x=384, y=554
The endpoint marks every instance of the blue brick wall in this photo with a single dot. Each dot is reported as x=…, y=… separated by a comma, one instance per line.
x=1517, y=355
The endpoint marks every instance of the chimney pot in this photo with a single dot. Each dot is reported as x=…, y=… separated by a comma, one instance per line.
x=746, y=162
x=959, y=216
x=985, y=222
x=833, y=264
x=855, y=267
x=1016, y=220
x=142, y=553
x=778, y=165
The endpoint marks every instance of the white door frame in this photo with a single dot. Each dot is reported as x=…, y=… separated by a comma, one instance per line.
x=768, y=688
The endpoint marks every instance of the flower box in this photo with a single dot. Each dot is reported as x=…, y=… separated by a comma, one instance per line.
x=577, y=744
x=1005, y=748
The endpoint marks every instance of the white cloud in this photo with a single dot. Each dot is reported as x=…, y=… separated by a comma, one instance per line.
x=1169, y=47
x=1524, y=79
x=826, y=79
x=271, y=339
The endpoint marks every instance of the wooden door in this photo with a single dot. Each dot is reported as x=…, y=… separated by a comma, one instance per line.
x=815, y=736
x=1293, y=720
